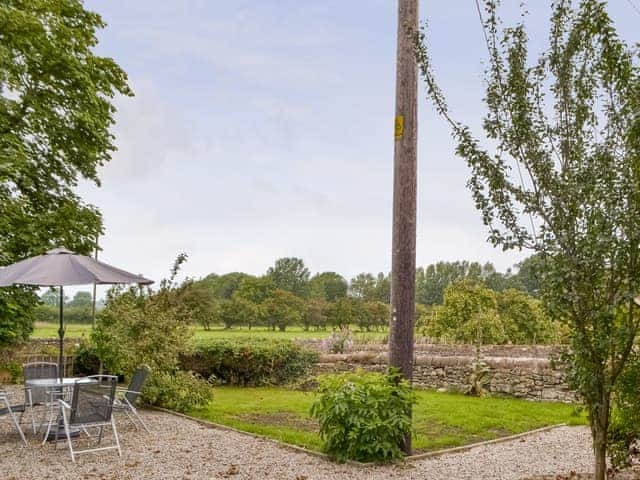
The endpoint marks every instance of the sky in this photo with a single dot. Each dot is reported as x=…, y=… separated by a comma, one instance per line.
x=264, y=128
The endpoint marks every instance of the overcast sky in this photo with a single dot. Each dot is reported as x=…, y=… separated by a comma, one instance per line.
x=264, y=128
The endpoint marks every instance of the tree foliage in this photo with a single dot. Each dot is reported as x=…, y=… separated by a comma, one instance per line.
x=328, y=286
x=290, y=274
x=562, y=178
x=371, y=288
x=283, y=309
x=56, y=110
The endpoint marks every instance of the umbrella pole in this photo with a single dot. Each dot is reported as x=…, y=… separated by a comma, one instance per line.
x=61, y=336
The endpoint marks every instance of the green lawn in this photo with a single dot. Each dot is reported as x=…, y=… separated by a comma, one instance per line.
x=441, y=419
x=50, y=330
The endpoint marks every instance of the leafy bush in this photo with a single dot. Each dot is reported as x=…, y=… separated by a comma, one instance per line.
x=179, y=391
x=250, y=361
x=14, y=370
x=140, y=326
x=86, y=361
x=363, y=416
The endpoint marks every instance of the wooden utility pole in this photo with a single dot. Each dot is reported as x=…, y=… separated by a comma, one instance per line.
x=403, y=262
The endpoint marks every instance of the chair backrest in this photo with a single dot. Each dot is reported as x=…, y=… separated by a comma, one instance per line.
x=92, y=401
x=137, y=383
x=36, y=371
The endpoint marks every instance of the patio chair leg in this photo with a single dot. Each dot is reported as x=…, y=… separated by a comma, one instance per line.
x=49, y=424
x=130, y=417
x=144, y=425
x=134, y=411
x=15, y=422
x=115, y=434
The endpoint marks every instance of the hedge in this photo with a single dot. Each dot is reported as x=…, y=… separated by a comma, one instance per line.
x=250, y=362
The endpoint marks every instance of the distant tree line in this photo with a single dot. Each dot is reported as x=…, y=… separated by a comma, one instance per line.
x=451, y=297
x=455, y=301
x=76, y=310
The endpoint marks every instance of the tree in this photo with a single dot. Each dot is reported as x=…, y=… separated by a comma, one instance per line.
x=568, y=122
x=81, y=299
x=432, y=281
x=524, y=318
x=328, y=286
x=197, y=297
x=363, y=286
x=528, y=275
x=255, y=289
x=315, y=314
x=376, y=315
x=290, y=274
x=52, y=297
x=469, y=314
x=56, y=111
x=282, y=309
x=382, y=292
x=224, y=286
x=237, y=311
x=342, y=313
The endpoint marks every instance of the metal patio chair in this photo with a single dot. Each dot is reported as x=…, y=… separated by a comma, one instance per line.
x=7, y=409
x=36, y=396
x=126, y=398
x=91, y=407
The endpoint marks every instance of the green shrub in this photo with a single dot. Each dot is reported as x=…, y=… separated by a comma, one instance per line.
x=180, y=391
x=14, y=370
x=251, y=361
x=363, y=416
x=142, y=326
x=86, y=361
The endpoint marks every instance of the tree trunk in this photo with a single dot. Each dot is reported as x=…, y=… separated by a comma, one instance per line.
x=599, y=430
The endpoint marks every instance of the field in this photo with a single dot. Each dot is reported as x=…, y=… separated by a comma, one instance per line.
x=441, y=420
x=50, y=330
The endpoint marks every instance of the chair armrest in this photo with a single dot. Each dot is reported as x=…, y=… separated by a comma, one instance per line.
x=124, y=390
x=64, y=404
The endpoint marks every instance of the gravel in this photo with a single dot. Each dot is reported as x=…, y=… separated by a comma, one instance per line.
x=180, y=448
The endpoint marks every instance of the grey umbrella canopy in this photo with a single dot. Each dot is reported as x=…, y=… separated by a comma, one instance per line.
x=60, y=267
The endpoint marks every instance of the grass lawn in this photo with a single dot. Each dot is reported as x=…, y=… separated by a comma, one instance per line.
x=441, y=419
x=50, y=330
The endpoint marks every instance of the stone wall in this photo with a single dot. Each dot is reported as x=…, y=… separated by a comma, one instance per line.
x=528, y=372
x=35, y=350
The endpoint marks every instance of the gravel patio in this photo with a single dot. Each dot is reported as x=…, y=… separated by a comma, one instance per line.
x=180, y=448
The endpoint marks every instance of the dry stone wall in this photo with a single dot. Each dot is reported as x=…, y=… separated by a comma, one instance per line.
x=528, y=372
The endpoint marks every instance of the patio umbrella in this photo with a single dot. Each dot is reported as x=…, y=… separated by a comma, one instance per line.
x=60, y=267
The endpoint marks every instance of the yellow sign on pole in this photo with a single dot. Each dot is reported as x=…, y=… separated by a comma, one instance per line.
x=399, y=127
